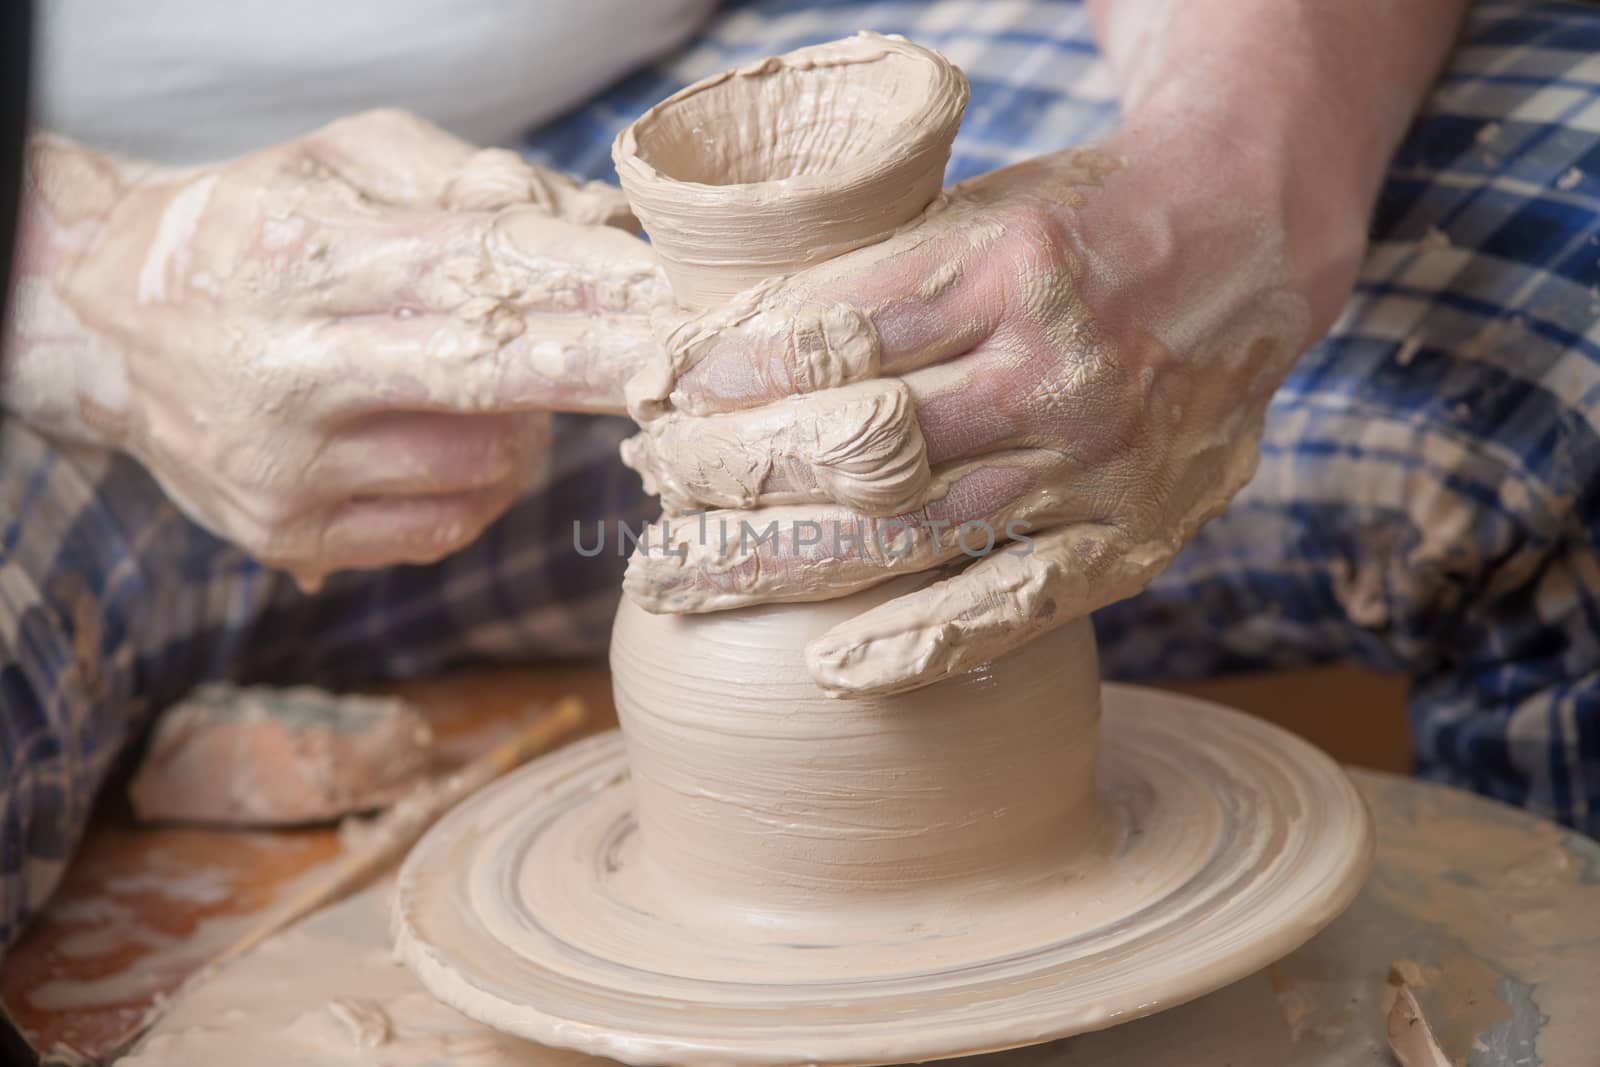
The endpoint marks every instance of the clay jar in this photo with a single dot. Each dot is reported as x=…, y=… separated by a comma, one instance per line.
x=755, y=792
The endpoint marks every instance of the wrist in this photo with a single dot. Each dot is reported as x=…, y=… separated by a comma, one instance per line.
x=1333, y=85
x=1276, y=173
x=55, y=372
x=1297, y=103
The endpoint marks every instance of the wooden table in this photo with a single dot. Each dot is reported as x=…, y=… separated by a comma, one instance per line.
x=1493, y=915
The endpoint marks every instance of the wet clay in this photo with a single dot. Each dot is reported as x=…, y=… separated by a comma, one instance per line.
x=757, y=793
x=833, y=806
x=815, y=153
x=773, y=875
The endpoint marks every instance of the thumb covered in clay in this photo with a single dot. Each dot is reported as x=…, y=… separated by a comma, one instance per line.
x=401, y=159
x=573, y=301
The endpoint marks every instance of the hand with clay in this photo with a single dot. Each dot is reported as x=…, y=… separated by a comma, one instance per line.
x=336, y=352
x=1053, y=378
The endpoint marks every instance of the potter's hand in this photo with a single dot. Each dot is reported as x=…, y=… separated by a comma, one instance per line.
x=1048, y=384
x=334, y=352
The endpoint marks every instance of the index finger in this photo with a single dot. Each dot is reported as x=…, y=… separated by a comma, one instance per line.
x=921, y=297
x=393, y=156
x=360, y=364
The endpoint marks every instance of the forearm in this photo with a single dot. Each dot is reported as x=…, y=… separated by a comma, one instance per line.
x=1303, y=100
x=55, y=372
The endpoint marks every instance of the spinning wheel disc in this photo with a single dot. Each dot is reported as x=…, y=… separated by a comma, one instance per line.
x=1225, y=844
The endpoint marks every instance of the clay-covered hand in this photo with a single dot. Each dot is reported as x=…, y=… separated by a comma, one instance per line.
x=336, y=352
x=1045, y=385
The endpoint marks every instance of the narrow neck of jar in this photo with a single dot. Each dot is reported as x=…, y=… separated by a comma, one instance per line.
x=716, y=241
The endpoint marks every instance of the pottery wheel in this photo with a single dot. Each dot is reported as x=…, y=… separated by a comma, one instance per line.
x=1226, y=843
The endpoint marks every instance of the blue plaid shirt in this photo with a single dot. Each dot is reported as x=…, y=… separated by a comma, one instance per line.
x=1426, y=501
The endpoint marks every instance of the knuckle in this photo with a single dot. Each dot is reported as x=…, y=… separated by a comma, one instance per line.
x=493, y=178
x=828, y=346
x=1037, y=234
x=871, y=455
x=280, y=543
x=271, y=511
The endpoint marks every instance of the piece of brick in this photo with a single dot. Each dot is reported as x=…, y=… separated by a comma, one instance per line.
x=272, y=757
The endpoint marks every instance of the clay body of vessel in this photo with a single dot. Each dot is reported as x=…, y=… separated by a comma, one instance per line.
x=758, y=795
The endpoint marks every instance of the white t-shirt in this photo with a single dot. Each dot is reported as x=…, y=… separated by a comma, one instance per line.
x=193, y=80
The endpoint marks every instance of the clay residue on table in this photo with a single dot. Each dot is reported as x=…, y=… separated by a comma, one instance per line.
x=1517, y=900
x=329, y=993
x=1323, y=1006
x=143, y=908
x=1410, y=1037
x=133, y=919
